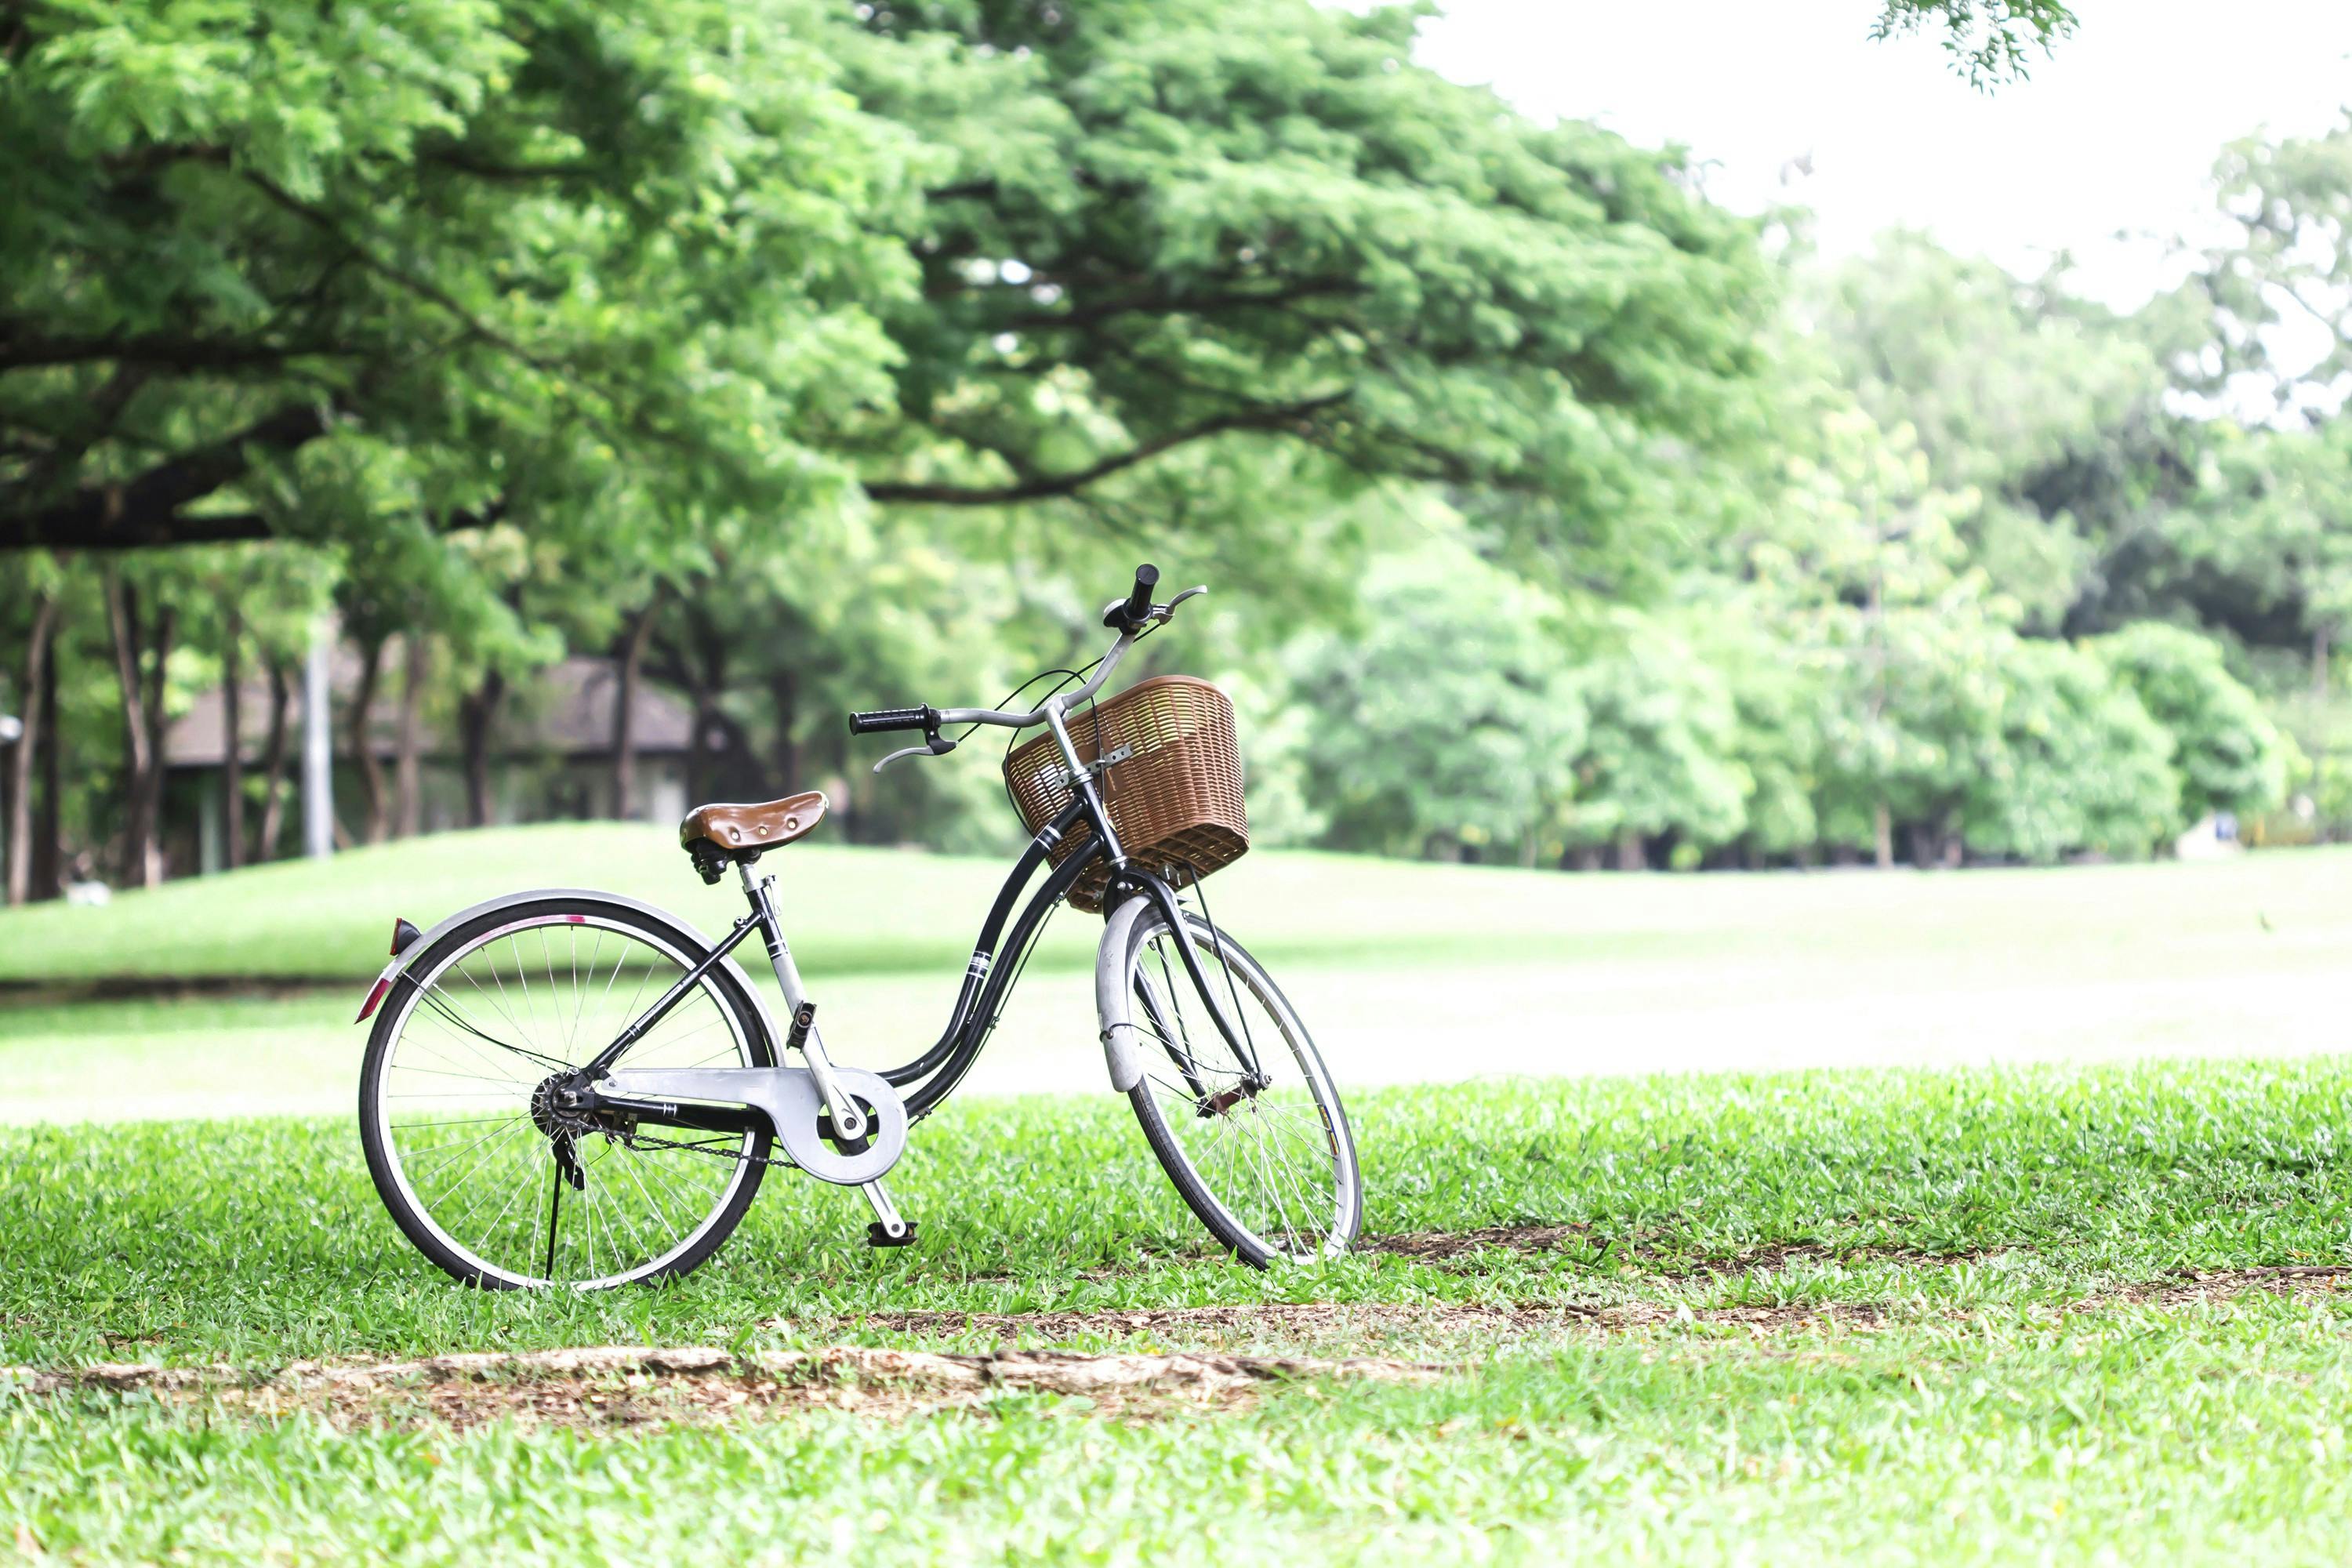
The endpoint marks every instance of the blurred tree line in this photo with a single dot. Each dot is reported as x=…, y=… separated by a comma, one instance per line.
x=795, y=357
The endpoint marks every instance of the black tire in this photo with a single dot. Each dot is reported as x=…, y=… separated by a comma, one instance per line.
x=1179, y=1029
x=466, y=1041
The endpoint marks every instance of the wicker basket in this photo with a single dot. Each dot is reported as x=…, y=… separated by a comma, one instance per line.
x=1175, y=801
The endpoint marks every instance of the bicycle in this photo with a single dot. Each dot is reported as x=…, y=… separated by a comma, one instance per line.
x=494, y=1085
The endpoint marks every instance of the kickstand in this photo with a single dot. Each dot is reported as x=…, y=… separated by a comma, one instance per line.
x=888, y=1229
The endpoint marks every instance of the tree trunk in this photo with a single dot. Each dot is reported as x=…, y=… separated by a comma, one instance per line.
x=408, y=801
x=233, y=732
x=1881, y=829
x=784, y=696
x=2323, y=648
x=273, y=758
x=20, y=756
x=153, y=716
x=698, y=745
x=1631, y=853
x=475, y=714
x=630, y=659
x=48, y=826
x=142, y=691
x=363, y=741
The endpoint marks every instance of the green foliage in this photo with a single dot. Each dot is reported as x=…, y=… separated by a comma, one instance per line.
x=2229, y=755
x=1655, y=760
x=2077, y=764
x=1989, y=40
x=331, y=275
x=1192, y=221
x=2286, y=207
x=2019, y=396
x=1451, y=719
x=835, y=356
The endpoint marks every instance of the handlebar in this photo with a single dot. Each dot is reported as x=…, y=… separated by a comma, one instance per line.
x=875, y=719
x=1129, y=616
x=1137, y=608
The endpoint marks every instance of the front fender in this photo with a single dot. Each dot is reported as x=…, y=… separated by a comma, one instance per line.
x=1114, y=1003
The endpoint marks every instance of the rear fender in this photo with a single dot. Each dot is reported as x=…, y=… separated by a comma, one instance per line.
x=586, y=900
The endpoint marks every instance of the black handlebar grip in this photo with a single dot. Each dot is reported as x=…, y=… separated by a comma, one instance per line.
x=1139, y=602
x=879, y=718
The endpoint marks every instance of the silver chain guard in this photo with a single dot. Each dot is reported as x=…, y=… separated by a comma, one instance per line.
x=789, y=1097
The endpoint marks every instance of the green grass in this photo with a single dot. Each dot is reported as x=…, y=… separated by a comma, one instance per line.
x=1970, y=1374
x=2117, y=1439
x=878, y=911
x=1980, y=1421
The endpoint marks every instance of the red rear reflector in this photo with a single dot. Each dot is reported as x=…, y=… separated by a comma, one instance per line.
x=374, y=997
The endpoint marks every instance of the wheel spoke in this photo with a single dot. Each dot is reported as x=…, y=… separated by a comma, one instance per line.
x=1285, y=1184
x=464, y=1173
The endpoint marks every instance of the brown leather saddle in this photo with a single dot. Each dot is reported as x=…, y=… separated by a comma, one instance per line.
x=743, y=832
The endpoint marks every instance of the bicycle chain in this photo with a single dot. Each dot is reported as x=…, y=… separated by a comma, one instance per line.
x=634, y=1140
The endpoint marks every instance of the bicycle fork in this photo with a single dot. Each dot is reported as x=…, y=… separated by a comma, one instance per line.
x=849, y=1120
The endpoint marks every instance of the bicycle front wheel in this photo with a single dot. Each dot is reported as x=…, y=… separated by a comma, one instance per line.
x=1236, y=1102
x=473, y=1155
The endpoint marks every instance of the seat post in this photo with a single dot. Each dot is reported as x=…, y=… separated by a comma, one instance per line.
x=849, y=1121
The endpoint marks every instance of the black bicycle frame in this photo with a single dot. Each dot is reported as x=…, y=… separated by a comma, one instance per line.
x=987, y=977
x=992, y=968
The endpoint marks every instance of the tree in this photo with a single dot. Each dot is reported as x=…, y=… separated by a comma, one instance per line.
x=2285, y=260
x=1989, y=40
x=2228, y=753
x=2079, y=765
x=143, y=612
x=1451, y=720
x=2272, y=538
x=35, y=693
x=2048, y=410
x=1657, y=752
x=284, y=269
x=1182, y=224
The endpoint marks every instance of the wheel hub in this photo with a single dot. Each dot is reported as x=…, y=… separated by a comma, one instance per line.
x=554, y=1108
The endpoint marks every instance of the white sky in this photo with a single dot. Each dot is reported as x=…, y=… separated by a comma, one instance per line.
x=2115, y=133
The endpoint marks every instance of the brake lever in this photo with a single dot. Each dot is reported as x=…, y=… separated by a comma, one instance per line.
x=934, y=747
x=1163, y=612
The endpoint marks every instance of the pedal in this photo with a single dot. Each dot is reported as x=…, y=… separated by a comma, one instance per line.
x=888, y=1229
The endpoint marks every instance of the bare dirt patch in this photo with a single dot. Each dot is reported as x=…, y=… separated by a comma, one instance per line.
x=620, y=1386
x=1579, y=1241
x=1438, y=1328
x=2197, y=1287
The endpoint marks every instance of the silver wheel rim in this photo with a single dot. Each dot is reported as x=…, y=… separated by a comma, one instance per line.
x=479, y=1031
x=1278, y=1165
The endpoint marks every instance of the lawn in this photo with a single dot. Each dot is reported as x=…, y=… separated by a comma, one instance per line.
x=1906, y=1316
x=1409, y=974
x=1978, y=1313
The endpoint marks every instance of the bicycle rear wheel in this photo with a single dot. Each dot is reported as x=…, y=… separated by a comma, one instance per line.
x=478, y=1166
x=1244, y=1117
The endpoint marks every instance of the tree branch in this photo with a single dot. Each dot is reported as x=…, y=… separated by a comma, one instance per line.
x=1045, y=486
x=145, y=510
x=180, y=354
